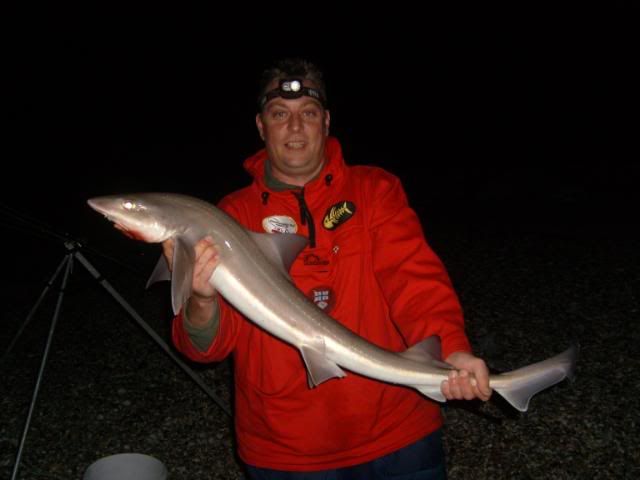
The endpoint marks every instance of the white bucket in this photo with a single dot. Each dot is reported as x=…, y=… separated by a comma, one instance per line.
x=126, y=466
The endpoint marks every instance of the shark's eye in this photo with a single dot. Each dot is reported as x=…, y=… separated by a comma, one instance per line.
x=128, y=205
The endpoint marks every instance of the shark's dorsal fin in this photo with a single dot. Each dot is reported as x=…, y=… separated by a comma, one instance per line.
x=160, y=273
x=280, y=249
x=182, y=273
x=427, y=351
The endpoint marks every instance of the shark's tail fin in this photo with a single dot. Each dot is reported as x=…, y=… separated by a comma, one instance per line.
x=517, y=387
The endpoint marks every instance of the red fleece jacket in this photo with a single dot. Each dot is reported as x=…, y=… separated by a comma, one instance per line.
x=376, y=275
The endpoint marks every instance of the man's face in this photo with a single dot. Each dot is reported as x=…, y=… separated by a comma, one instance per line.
x=294, y=132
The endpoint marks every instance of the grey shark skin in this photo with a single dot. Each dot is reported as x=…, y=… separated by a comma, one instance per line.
x=252, y=276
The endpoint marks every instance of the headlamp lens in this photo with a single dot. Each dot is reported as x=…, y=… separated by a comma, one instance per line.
x=290, y=85
x=291, y=88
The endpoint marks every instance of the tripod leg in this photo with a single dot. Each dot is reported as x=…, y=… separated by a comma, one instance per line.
x=107, y=286
x=45, y=355
x=34, y=309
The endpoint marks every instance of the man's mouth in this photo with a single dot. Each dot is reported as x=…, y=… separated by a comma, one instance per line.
x=295, y=145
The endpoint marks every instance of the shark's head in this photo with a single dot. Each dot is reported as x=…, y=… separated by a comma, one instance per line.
x=143, y=216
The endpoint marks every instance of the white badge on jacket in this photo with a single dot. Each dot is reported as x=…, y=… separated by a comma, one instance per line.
x=279, y=224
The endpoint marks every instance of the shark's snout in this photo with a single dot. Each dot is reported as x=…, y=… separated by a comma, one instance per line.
x=103, y=205
x=96, y=204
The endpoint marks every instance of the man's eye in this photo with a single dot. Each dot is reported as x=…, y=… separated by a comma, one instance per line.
x=279, y=114
x=310, y=113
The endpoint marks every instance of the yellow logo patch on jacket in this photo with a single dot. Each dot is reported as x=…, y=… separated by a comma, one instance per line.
x=338, y=214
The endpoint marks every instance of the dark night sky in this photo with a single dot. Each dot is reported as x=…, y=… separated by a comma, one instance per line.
x=528, y=112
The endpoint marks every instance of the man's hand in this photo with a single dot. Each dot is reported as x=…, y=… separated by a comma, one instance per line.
x=207, y=260
x=469, y=381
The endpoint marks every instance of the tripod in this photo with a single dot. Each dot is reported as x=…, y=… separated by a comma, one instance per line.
x=74, y=253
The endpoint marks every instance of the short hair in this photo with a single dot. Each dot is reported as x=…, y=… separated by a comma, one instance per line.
x=292, y=67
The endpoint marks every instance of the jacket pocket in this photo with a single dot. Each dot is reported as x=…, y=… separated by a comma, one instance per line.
x=270, y=366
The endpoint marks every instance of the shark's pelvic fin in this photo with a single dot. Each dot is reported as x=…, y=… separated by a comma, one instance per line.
x=319, y=367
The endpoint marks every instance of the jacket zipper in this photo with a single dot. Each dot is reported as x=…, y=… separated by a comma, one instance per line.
x=305, y=216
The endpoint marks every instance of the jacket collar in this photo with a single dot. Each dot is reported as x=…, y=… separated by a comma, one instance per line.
x=332, y=171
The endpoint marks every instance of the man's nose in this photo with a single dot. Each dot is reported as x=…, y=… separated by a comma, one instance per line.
x=295, y=122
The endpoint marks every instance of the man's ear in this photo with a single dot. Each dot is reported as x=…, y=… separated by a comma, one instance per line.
x=260, y=125
x=327, y=121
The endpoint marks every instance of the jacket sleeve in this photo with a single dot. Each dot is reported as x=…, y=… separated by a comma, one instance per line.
x=413, y=280
x=230, y=323
x=223, y=343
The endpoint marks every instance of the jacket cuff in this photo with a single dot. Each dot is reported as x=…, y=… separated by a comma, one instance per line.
x=203, y=336
x=458, y=344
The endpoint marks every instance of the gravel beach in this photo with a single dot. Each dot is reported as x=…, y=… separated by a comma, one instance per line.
x=528, y=291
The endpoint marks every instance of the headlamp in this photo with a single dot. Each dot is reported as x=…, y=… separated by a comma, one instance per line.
x=291, y=88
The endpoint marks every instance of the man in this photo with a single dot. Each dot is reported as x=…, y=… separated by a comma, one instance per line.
x=368, y=266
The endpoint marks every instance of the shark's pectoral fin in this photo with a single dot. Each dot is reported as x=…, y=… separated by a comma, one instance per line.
x=160, y=273
x=432, y=392
x=280, y=249
x=182, y=274
x=319, y=368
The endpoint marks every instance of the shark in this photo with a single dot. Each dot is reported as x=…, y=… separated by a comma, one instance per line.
x=252, y=275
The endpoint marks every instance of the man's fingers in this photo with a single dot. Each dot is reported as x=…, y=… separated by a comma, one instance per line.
x=460, y=386
x=446, y=391
x=481, y=380
x=209, y=263
x=470, y=379
x=205, y=252
x=465, y=385
x=454, y=385
x=202, y=245
x=482, y=395
x=203, y=258
x=167, y=247
x=206, y=262
x=167, y=251
x=204, y=274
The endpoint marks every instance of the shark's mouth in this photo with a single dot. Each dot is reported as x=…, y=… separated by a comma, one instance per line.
x=134, y=234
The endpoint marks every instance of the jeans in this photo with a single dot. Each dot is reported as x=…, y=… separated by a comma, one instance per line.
x=422, y=460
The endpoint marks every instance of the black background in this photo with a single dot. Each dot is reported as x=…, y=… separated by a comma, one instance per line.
x=513, y=129
x=500, y=113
